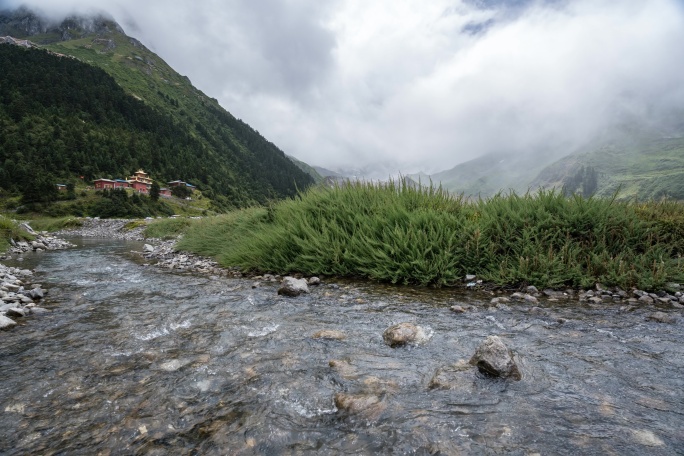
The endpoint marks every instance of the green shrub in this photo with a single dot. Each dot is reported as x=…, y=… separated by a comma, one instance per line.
x=424, y=236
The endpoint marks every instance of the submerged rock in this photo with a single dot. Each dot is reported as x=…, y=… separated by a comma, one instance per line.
x=356, y=403
x=662, y=317
x=457, y=376
x=329, y=334
x=494, y=358
x=293, y=287
x=343, y=368
x=402, y=334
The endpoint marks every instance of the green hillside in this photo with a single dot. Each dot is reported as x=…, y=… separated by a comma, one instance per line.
x=645, y=168
x=118, y=107
x=487, y=175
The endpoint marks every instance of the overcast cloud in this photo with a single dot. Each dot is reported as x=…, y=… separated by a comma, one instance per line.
x=410, y=84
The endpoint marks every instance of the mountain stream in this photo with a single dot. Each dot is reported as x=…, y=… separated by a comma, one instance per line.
x=133, y=359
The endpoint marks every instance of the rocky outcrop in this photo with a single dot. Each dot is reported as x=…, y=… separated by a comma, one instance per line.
x=492, y=357
x=293, y=287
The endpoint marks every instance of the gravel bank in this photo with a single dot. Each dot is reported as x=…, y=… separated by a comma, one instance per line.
x=106, y=228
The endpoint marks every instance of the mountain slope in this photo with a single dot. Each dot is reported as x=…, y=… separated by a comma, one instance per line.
x=484, y=176
x=646, y=167
x=222, y=155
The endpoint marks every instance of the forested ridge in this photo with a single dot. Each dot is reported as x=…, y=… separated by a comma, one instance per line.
x=61, y=118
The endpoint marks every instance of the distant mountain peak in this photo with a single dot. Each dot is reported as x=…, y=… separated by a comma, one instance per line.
x=25, y=23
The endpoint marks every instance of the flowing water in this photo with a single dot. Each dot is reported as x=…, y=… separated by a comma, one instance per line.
x=137, y=360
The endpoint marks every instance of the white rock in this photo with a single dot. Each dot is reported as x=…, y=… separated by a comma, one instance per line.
x=6, y=323
x=293, y=287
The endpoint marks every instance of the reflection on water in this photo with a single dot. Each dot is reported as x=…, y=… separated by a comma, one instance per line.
x=135, y=360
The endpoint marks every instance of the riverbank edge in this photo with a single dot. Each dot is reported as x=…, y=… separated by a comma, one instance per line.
x=164, y=255
x=19, y=293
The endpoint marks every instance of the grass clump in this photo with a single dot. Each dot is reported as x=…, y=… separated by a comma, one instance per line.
x=54, y=224
x=9, y=229
x=425, y=236
x=167, y=228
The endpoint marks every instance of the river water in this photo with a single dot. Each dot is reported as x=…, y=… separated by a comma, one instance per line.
x=137, y=360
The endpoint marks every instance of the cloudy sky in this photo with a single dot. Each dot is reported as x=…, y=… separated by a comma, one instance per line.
x=403, y=85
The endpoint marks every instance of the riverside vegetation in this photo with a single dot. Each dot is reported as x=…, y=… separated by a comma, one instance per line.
x=425, y=236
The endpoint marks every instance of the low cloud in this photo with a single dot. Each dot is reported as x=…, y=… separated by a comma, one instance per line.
x=411, y=85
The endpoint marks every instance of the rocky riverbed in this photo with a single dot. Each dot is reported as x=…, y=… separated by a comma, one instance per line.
x=106, y=228
x=146, y=360
x=19, y=295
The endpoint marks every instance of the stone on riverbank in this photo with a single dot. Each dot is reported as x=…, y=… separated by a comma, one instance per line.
x=494, y=358
x=293, y=287
x=15, y=312
x=6, y=323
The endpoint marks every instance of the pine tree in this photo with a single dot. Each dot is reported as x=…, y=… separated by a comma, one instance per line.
x=154, y=191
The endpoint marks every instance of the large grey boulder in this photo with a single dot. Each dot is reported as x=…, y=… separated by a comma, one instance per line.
x=293, y=287
x=492, y=357
x=6, y=323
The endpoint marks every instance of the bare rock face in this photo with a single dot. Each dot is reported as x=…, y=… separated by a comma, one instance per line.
x=293, y=287
x=401, y=334
x=492, y=357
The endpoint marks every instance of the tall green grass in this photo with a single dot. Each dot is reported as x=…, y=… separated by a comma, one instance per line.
x=54, y=223
x=425, y=236
x=164, y=228
x=9, y=229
